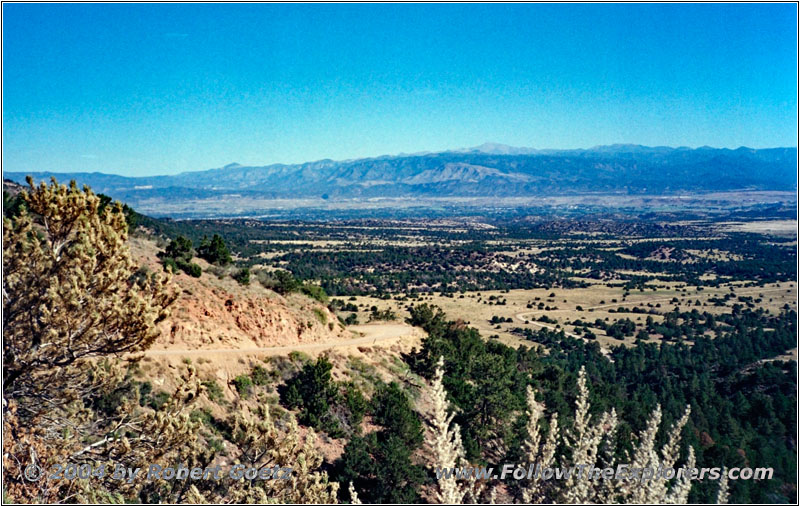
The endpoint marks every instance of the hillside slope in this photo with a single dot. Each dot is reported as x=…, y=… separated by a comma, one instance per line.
x=213, y=313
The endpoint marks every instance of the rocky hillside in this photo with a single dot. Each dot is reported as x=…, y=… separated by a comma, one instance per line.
x=213, y=313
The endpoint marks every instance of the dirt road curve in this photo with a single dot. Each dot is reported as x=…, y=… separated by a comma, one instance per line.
x=366, y=335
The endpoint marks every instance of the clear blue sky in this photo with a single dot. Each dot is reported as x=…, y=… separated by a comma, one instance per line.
x=165, y=88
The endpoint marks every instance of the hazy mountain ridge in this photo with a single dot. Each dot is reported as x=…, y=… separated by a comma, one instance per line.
x=487, y=170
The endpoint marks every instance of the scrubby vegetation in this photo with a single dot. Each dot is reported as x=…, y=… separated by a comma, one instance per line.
x=178, y=255
x=335, y=408
x=243, y=276
x=613, y=385
x=712, y=377
x=214, y=250
x=385, y=456
x=360, y=257
x=72, y=306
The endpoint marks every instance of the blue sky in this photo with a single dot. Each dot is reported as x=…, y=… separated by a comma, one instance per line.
x=165, y=88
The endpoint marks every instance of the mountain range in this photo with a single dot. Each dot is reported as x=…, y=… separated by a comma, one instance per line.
x=487, y=170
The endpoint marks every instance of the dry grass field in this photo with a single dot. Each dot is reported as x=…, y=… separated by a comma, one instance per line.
x=596, y=302
x=777, y=227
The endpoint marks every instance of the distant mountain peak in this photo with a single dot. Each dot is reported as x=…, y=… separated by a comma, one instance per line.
x=491, y=169
x=617, y=146
x=499, y=149
x=494, y=146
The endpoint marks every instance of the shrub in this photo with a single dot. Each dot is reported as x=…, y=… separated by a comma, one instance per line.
x=215, y=445
x=315, y=292
x=284, y=282
x=169, y=264
x=145, y=388
x=190, y=268
x=313, y=391
x=214, y=251
x=356, y=404
x=179, y=248
x=392, y=409
x=243, y=383
x=321, y=316
x=386, y=454
x=12, y=205
x=260, y=376
x=298, y=356
x=202, y=415
x=111, y=400
x=131, y=217
x=217, y=271
x=158, y=400
x=386, y=314
x=213, y=390
x=243, y=276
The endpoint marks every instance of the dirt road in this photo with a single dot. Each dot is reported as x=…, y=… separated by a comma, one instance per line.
x=364, y=335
